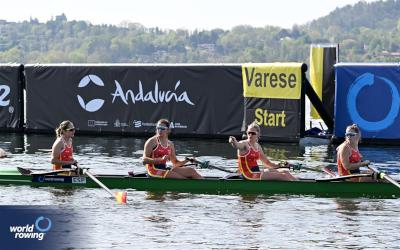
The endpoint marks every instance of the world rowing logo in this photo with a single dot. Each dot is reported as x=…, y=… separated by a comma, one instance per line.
x=34, y=231
x=38, y=223
x=367, y=80
x=95, y=104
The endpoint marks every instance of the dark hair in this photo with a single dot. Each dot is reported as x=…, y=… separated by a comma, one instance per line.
x=164, y=121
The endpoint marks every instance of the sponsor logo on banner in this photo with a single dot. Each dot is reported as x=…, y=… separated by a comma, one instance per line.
x=177, y=125
x=5, y=97
x=364, y=81
x=119, y=124
x=94, y=123
x=130, y=96
x=154, y=96
x=272, y=80
x=36, y=230
x=137, y=124
x=95, y=104
x=172, y=125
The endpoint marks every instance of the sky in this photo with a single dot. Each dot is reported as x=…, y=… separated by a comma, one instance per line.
x=174, y=14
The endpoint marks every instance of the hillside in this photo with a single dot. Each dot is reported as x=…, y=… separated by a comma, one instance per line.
x=365, y=32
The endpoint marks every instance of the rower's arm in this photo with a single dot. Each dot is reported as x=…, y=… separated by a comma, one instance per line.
x=265, y=159
x=174, y=160
x=148, y=148
x=240, y=145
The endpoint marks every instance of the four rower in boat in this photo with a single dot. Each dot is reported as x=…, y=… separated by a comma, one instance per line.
x=62, y=150
x=349, y=158
x=158, y=150
x=249, y=151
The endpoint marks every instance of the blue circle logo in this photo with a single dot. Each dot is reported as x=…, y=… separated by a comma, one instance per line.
x=43, y=230
x=362, y=81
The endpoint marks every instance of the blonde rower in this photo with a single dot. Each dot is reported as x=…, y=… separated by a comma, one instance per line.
x=62, y=150
x=249, y=152
x=158, y=150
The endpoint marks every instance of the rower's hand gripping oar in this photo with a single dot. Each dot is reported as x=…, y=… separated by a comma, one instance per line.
x=299, y=166
x=206, y=164
x=119, y=196
x=381, y=175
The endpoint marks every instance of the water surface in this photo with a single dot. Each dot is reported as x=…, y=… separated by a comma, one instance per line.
x=194, y=221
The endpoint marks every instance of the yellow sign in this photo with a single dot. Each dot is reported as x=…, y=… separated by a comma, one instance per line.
x=272, y=80
x=316, y=74
x=266, y=118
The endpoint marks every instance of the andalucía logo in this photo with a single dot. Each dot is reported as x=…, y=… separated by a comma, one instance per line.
x=95, y=104
x=129, y=96
x=34, y=231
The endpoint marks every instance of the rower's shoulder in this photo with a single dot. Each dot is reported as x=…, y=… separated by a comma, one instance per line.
x=151, y=140
x=57, y=142
x=343, y=147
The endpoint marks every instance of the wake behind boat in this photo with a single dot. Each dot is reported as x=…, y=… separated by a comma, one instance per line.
x=210, y=185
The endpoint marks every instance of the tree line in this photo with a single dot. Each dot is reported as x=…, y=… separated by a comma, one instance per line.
x=365, y=32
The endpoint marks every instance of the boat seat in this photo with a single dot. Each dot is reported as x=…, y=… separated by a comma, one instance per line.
x=233, y=176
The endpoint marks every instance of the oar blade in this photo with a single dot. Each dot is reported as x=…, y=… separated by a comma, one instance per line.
x=121, y=197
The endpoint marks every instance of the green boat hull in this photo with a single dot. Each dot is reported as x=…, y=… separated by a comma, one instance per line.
x=210, y=185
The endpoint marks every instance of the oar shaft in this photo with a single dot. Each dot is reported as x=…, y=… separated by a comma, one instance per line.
x=389, y=179
x=344, y=177
x=212, y=166
x=98, y=182
x=385, y=176
x=300, y=167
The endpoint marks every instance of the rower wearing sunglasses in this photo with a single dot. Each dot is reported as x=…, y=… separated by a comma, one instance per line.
x=349, y=158
x=62, y=150
x=249, y=151
x=158, y=150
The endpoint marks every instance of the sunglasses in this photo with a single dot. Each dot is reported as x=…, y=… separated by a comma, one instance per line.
x=251, y=133
x=161, y=128
x=70, y=129
x=351, y=134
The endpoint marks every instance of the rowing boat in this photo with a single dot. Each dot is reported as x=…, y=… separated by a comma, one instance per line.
x=209, y=185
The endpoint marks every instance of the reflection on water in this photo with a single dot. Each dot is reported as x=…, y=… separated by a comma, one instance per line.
x=179, y=220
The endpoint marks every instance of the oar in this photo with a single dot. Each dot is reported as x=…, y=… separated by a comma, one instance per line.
x=300, y=166
x=25, y=171
x=206, y=164
x=382, y=175
x=345, y=177
x=119, y=196
x=329, y=171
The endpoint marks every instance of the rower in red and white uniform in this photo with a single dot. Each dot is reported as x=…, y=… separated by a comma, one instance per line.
x=249, y=152
x=62, y=150
x=158, y=150
x=349, y=158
